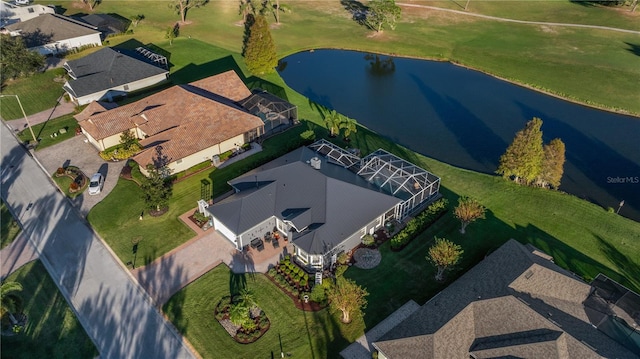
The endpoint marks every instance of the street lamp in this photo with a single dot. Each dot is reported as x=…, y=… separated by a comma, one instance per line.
x=25, y=116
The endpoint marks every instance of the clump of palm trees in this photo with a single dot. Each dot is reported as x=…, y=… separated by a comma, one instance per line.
x=336, y=122
x=10, y=303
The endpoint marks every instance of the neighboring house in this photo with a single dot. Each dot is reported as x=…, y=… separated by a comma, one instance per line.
x=323, y=199
x=110, y=73
x=517, y=303
x=10, y=13
x=192, y=123
x=107, y=24
x=50, y=34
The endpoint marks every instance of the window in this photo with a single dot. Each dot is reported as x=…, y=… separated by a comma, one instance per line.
x=31, y=10
x=179, y=161
x=126, y=87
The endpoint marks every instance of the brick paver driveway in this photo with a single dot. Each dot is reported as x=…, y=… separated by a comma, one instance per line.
x=83, y=155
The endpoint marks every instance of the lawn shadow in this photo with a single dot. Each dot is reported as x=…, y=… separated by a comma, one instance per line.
x=357, y=10
x=633, y=48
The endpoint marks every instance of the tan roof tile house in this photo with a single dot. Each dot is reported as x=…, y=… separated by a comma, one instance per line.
x=191, y=122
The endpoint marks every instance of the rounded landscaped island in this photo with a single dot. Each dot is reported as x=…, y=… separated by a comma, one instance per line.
x=242, y=318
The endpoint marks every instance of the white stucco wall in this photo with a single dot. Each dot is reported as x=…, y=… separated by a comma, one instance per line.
x=226, y=232
x=118, y=91
x=68, y=44
x=22, y=13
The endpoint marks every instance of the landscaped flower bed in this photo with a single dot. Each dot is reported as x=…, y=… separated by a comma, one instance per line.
x=295, y=283
x=250, y=321
x=418, y=224
x=78, y=180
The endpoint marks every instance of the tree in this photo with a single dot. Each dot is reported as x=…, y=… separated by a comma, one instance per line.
x=347, y=297
x=246, y=8
x=444, y=254
x=156, y=188
x=16, y=60
x=92, y=3
x=248, y=298
x=275, y=8
x=136, y=19
x=552, y=164
x=522, y=160
x=349, y=126
x=383, y=13
x=333, y=121
x=172, y=32
x=260, y=50
x=468, y=211
x=127, y=139
x=182, y=6
x=10, y=300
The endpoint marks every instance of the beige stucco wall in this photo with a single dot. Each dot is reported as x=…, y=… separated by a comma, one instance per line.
x=110, y=141
x=92, y=140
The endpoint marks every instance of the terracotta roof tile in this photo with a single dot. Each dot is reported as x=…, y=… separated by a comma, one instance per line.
x=226, y=84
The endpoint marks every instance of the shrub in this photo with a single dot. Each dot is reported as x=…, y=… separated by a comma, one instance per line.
x=610, y=210
x=118, y=152
x=60, y=171
x=368, y=240
x=308, y=136
x=418, y=224
x=303, y=281
x=318, y=294
x=74, y=186
x=343, y=259
x=200, y=217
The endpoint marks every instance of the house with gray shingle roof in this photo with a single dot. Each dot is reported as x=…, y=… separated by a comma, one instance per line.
x=191, y=124
x=50, y=34
x=322, y=205
x=110, y=73
x=516, y=303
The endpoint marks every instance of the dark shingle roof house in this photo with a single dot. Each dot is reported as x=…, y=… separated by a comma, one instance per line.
x=516, y=303
x=323, y=207
x=52, y=34
x=109, y=73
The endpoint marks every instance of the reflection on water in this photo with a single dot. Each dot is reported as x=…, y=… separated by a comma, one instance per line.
x=467, y=119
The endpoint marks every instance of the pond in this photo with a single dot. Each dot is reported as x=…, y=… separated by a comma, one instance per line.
x=466, y=118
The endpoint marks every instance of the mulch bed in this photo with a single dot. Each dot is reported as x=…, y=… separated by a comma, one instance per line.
x=192, y=218
x=154, y=213
x=300, y=304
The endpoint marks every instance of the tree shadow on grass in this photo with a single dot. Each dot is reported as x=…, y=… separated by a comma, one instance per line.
x=357, y=10
x=633, y=48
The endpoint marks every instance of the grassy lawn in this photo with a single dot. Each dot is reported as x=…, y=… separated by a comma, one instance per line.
x=37, y=93
x=52, y=330
x=64, y=182
x=45, y=131
x=302, y=334
x=9, y=228
x=601, y=64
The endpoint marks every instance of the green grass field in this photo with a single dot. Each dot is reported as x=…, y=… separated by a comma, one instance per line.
x=9, y=228
x=52, y=330
x=45, y=131
x=601, y=65
x=302, y=334
x=37, y=93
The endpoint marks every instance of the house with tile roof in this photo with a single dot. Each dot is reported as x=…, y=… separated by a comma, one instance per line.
x=191, y=123
x=517, y=303
x=321, y=200
x=110, y=73
x=50, y=34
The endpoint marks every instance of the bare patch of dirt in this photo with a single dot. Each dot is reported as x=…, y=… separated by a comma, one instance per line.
x=548, y=29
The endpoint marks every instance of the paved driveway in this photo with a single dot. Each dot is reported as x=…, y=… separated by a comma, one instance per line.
x=83, y=155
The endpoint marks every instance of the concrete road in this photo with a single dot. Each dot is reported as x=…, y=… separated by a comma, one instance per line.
x=116, y=313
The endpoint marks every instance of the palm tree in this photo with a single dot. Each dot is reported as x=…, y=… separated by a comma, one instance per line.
x=349, y=126
x=246, y=8
x=239, y=314
x=247, y=298
x=333, y=120
x=9, y=299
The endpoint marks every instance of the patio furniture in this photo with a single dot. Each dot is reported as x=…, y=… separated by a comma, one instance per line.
x=275, y=243
x=257, y=243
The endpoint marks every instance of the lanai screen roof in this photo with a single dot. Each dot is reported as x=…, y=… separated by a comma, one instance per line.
x=401, y=178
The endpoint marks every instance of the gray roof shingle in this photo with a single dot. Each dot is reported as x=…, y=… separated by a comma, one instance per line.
x=511, y=303
x=51, y=28
x=329, y=206
x=107, y=68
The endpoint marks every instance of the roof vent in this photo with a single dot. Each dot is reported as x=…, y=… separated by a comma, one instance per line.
x=315, y=163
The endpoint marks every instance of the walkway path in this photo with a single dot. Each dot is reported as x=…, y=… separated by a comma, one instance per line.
x=519, y=21
x=173, y=271
x=114, y=310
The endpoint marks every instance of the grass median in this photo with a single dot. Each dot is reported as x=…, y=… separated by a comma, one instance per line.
x=52, y=330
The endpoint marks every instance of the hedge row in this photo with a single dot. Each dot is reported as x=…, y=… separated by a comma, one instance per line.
x=419, y=223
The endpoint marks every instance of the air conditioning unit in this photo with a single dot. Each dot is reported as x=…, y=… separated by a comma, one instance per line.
x=315, y=163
